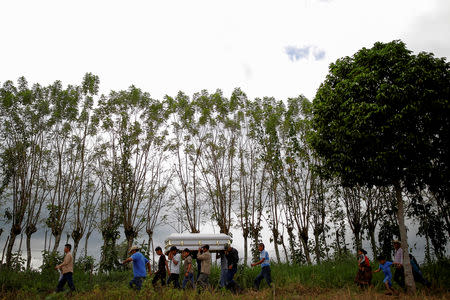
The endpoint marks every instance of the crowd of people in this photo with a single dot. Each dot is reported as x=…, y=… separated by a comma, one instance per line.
x=169, y=265
x=364, y=274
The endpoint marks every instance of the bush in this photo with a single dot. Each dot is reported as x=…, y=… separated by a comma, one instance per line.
x=438, y=273
x=85, y=264
x=17, y=262
x=50, y=259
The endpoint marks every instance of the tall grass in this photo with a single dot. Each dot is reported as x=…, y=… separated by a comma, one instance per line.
x=332, y=278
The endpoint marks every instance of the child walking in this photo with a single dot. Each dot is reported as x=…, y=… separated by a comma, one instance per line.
x=385, y=266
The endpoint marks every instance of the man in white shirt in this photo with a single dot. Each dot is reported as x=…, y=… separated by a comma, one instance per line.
x=399, y=275
x=173, y=267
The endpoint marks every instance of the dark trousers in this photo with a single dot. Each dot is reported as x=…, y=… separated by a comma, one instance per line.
x=175, y=279
x=67, y=277
x=159, y=276
x=136, y=281
x=230, y=283
x=399, y=276
x=265, y=273
x=203, y=281
x=418, y=277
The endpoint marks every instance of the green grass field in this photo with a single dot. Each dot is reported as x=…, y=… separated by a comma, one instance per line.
x=329, y=280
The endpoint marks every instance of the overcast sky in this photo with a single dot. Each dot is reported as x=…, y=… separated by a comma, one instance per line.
x=267, y=48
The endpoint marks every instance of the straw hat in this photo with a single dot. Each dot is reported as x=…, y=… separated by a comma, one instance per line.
x=133, y=248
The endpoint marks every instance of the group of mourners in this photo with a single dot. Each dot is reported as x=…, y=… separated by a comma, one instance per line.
x=170, y=264
x=229, y=258
x=364, y=274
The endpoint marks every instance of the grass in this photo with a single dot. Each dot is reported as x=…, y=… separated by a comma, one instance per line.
x=329, y=280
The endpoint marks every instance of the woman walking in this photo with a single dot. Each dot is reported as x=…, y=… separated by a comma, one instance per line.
x=364, y=275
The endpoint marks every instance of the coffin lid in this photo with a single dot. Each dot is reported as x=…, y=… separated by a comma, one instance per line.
x=193, y=241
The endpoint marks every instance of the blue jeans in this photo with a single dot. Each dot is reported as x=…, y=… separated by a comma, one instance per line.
x=190, y=278
x=265, y=273
x=223, y=277
x=137, y=281
x=67, y=277
x=230, y=275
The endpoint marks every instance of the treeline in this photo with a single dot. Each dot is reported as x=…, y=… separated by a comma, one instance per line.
x=78, y=162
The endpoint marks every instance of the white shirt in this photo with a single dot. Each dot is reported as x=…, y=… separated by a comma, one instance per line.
x=398, y=258
x=175, y=268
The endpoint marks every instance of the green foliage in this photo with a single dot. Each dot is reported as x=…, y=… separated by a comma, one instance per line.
x=85, y=264
x=110, y=257
x=438, y=273
x=50, y=259
x=17, y=262
x=373, y=116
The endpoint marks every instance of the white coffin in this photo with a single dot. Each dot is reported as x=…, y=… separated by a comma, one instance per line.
x=193, y=241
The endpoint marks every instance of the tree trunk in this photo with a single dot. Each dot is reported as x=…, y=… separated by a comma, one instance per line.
x=130, y=235
x=45, y=241
x=20, y=244
x=373, y=243
x=303, y=236
x=306, y=250
x=57, y=241
x=277, y=252
x=317, y=247
x=150, y=248
x=88, y=234
x=338, y=243
x=3, y=253
x=28, y=241
x=76, y=242
x=49, y=242
x=275, y=244
x=286, y=254
x=409, y=279
x=245, y=250
x=324, y=240
x=12, y=239
x=358, y=244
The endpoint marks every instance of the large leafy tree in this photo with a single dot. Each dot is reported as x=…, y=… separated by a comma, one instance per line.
x=298, y=179
x=379, y=117
x=24, y=119
x=133, y=121
x=187, y=143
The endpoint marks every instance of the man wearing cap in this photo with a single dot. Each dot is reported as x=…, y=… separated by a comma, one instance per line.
x=173, y=267
x=139, y=263
x=232, y=259
x=205, y=257
x=399, y=275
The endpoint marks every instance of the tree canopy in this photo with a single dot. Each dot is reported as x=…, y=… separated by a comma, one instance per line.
x=381, y=118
